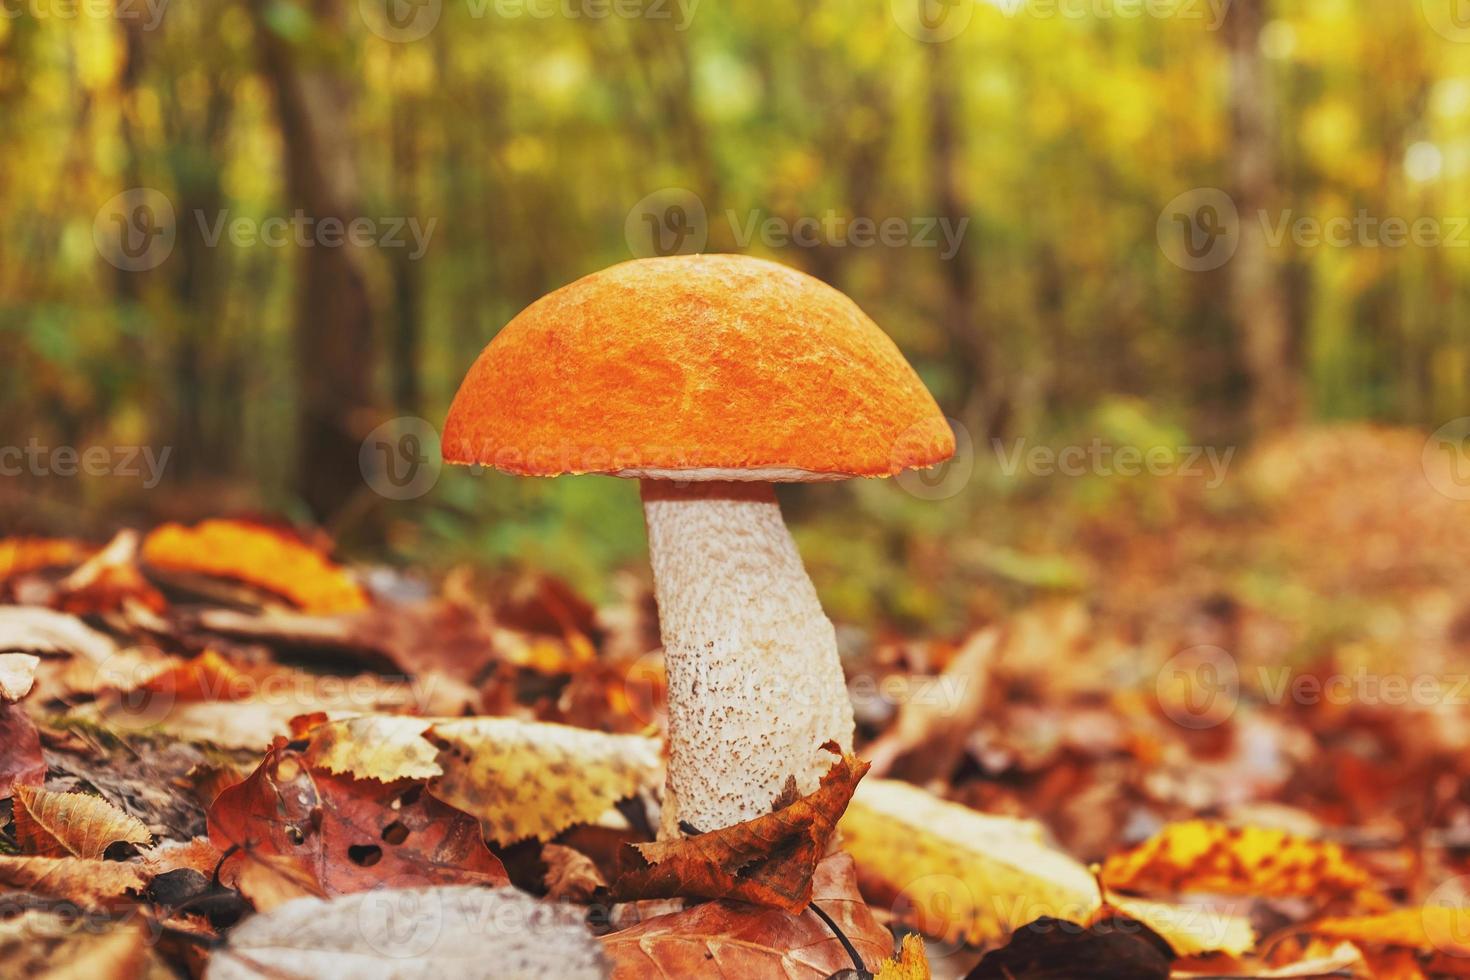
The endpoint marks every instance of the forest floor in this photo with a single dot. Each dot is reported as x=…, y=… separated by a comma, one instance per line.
x=1237, y=749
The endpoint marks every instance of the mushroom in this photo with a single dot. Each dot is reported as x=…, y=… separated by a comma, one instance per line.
x=710, y=378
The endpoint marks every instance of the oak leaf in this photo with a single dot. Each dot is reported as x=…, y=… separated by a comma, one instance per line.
x=428, y=933
x=17, y=674
x=768, y=860
x=258, y=556
x=89, y=884
x=352, y=834
x=1203, y=856
x=53, y=824
x=738, y=940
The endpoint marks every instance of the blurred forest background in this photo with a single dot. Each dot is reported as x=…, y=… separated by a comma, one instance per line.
x=529, y=148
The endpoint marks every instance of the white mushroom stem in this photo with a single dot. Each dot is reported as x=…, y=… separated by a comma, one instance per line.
x=755, y=684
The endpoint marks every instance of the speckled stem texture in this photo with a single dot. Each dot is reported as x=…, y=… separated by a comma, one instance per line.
x=755, y=684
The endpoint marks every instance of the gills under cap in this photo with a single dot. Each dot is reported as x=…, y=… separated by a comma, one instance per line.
x=714, y=367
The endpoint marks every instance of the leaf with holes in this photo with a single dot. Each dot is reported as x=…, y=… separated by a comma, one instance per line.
x=352, y=834
x=76, y=824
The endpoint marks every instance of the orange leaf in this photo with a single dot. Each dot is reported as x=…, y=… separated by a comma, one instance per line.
x=107, y=580
x=768, y=860
x=1428, y=928
x=21, y=555
x=734, y=939
x=352, y=834
x=258, y=556
x=51, y=824
x=1198, y=855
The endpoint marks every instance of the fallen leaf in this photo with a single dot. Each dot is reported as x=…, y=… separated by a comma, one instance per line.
x=17, y=674
x=21, y=555
x=258, y=556
x=765, y=861
x=911, y=963
x=1203, y=856
x=534, y=779
x=429, y=933
x=49, y=945
x=738, y=940
x=1429, y=928
x=1055, y=949
x=107, y=581
x=271, y=880
x=955, y=873
x=571, y=876
x=521, y=779
x=90, y=884
x=21, y=762
x=32, y=629
x=59, y=824
x=352, y=834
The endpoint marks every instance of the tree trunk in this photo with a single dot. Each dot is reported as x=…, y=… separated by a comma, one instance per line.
x=333, y=331
x=1258, y=299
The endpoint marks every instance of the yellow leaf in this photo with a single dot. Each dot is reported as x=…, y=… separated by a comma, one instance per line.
x=1201, y=856
x=258, y=556
x=50, y=824
x=1428, y=928
x=955, y=873
x=909, y=964
x=519, y=778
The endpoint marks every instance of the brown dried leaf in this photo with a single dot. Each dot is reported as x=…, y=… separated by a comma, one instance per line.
x=49, y=945
x=352, y=834
x=59, y=824
x=766, y=861
x=107, y=581
x=90, y=884
x=571, y=876
x=17, y=674
x=21, y=762
x=738, y=940
x=1054, y=949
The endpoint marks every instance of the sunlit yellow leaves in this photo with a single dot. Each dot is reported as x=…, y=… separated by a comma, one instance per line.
x=909, y=964
x=954, y=873
x=50, y=824
x=258, y=556
x=1200, y=856
x=21, y=555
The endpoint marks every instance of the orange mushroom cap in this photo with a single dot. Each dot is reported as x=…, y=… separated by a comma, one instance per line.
x=719, y=367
